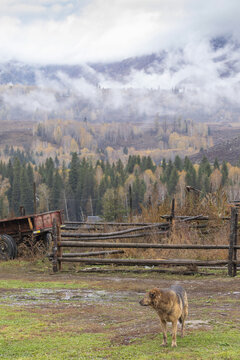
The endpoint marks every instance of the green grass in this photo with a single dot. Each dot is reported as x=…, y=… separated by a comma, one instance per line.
x=63, y=331
x=39, y=265
x=40, y=337
x=28, y=284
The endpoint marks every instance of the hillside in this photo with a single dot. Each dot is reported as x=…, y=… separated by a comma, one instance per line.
x=223, y=151
x=16, y=133
x=111, y=141
x=106, y=141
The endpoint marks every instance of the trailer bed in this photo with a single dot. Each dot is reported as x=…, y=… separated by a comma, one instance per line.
x=35, y=223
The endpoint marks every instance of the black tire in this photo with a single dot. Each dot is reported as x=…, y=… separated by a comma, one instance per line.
x=6, y=248
x=47, y=240
x=13, y=244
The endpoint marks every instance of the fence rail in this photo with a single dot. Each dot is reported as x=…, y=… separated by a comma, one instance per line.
x=63, y=240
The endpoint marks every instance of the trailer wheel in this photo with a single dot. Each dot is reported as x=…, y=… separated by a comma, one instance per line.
x=47, y=240
x=6, y=248
x=14, y=245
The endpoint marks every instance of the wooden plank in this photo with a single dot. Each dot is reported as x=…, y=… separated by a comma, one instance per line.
x=191, y=218
x=146, y=270
x=80, y=223
x=141, y=245
x=135, y=236
x=107, y=223
x=30, y=224
x=151, y=262
x=160, y=225
x=93, y=253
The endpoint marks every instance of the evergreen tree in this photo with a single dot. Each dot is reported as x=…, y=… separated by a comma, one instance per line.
x=64, y=172
x=178, y=163
x=1, y=207
x=16, y=191
x=9, y=175
x=49, y=172
x=205, y=184
x=166, y=174
x=3, y=169
x=147, y=163
x=99, y=195
x=74, y=172
x=56, y=192
x=113, y=206
x=10, y=172
x=138, y=191
x=57, y=162
x=172, y=181
x=205, y=167
x=30, y=180
x=216, y=164
x=224, y=171
x=26, y=197
x=125, y=150
x=164, y=164
x=191, y=176
x=121, y=173
x=204, y=172
x=187, y=163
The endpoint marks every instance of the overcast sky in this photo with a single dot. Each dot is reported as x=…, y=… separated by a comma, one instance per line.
x=76, y=31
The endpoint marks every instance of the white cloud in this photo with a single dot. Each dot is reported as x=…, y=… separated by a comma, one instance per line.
x=51, y=31
x=75, y=32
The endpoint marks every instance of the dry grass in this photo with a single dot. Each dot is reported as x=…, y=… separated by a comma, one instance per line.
x=32, y=250
x=216, y=232
x=213, y=231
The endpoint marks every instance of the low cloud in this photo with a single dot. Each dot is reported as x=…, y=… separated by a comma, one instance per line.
x=74, y=32
x=196, y=80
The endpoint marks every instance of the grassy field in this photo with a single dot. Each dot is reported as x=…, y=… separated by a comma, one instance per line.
x=85, y=316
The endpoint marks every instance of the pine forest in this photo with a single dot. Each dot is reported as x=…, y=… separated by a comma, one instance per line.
x=85, y=188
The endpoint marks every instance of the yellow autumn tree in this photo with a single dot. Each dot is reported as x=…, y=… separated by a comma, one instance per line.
x=99, y=174
x=74, y=146
x=215, y=179
x=181, y=186
x=58, y=135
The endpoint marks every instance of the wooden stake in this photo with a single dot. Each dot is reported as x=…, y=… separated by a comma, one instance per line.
x=55, y=247
x=232, y=254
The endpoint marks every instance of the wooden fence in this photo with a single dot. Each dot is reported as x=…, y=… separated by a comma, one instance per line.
x=103, y=240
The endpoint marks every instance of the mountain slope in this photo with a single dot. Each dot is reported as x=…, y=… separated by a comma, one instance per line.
x=198, y=81
x=225, y=151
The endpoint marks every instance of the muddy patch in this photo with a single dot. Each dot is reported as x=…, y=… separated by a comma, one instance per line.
x=34, y=297
x=195, y=324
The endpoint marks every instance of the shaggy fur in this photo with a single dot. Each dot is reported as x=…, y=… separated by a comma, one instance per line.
x=171, y=305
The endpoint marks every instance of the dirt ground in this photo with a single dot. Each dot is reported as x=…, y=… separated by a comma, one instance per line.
x=110, y=302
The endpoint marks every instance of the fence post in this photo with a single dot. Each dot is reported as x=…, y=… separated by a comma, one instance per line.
x=173, y=209
x=55, y=247
x=59, y=248
x=172, y=214
x=232, y=253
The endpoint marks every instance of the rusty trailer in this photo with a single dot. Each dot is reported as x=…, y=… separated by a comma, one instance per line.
x=30, y=229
